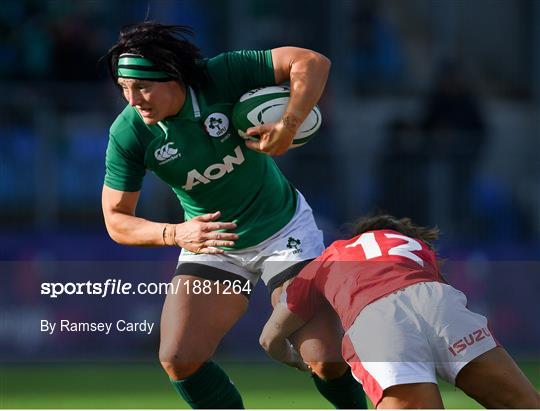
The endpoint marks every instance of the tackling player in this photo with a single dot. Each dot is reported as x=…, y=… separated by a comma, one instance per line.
x=240, y=211
x=404, y=324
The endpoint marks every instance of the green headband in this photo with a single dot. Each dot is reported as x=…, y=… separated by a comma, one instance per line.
x=140, y=68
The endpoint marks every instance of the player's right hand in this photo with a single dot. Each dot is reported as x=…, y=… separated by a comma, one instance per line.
x=274, y=138
x=202, y=234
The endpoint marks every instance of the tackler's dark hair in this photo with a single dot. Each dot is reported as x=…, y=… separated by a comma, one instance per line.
x=402, y=225
x=166, y=46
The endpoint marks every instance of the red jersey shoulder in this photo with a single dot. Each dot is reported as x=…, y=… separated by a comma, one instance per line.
x=333, y=251
x=309, y=272
x=302, y=295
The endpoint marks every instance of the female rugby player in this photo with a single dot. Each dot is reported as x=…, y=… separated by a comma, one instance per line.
x=240, y=211
x=404, y=324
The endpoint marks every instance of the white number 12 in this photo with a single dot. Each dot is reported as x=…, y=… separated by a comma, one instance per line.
x=372, y=249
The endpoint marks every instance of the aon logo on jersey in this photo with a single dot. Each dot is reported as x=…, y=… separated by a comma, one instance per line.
x=214, y=171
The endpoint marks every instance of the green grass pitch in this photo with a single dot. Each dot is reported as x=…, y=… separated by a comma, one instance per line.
x=126, y=385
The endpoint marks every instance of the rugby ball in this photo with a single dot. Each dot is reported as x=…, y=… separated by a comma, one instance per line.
x=266, y=105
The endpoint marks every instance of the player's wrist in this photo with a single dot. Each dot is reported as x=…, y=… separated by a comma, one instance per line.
x=291, y=122
x=169, y=235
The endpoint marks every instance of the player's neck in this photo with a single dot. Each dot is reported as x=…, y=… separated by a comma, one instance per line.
x=179, y=100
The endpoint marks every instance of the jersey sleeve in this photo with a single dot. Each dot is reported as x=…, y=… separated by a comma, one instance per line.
x=241, y=71
x=124, y=165
x=302, y=295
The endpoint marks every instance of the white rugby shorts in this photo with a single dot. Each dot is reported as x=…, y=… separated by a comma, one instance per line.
x=300, y=240
x=413, y=335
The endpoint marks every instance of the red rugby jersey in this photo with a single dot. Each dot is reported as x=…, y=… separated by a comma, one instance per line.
x=353, y=273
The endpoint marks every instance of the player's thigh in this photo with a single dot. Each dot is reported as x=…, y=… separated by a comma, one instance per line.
x=415, y=396
x=195, y=319
x=386, y=347
x=495, y=381
x=319, y=341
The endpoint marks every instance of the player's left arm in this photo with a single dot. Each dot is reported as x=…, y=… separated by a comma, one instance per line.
x=281, y=324
x=307, y=72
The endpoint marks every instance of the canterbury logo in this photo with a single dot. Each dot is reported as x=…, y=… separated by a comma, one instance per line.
x=165, y=152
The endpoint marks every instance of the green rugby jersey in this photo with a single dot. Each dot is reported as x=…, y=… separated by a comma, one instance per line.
x=201, y=157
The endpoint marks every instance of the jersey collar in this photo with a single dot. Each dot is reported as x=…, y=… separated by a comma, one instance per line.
x=190, y=109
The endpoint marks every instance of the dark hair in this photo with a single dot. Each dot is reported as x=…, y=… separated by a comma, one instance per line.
x=164, y=45
x=403, y=225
